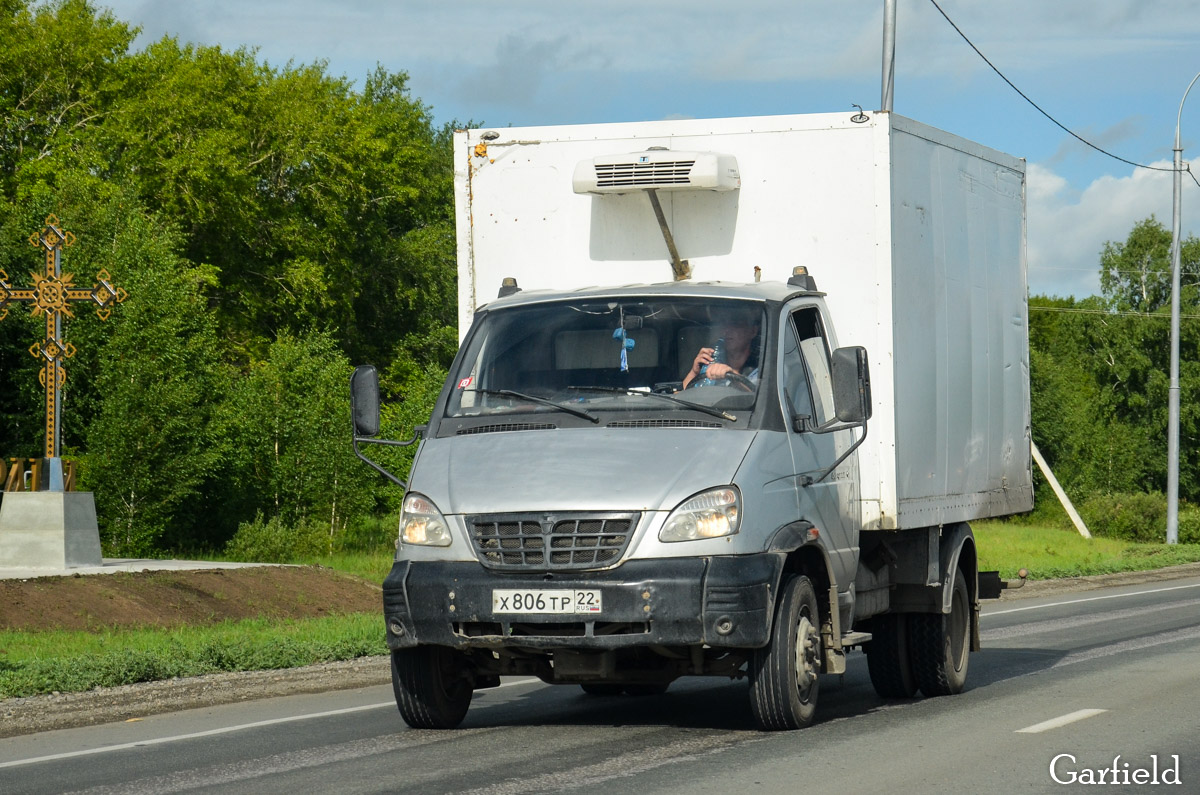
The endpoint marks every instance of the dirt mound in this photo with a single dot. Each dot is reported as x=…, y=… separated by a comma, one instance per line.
x=178, y=598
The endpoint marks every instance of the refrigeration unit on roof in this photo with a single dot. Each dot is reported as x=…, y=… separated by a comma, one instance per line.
x=657, y=169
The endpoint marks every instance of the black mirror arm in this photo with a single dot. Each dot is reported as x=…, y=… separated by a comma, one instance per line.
x=808, y=481
x=356, y=439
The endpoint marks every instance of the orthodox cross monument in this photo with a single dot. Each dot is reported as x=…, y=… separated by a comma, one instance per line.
x=52, y=528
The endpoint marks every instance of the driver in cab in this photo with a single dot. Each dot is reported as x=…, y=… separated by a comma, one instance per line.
x=733, y=358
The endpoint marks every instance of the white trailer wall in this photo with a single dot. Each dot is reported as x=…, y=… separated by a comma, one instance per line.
x=917, y=236
x=959, y=329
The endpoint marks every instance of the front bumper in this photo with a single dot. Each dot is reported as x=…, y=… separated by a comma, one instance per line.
x=714, y=601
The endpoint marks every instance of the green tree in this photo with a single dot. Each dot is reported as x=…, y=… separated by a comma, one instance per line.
x=150, y=445
x=289, y=426
x=1135, y=276
x=57, y=64
x=323, y=208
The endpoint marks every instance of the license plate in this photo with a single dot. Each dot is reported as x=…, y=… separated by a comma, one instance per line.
x=544, y=601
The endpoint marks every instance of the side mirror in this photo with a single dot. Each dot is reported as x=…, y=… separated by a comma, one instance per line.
x=364, y=400
x=851, y=374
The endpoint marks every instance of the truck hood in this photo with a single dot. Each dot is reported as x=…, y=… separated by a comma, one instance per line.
x=600, y=469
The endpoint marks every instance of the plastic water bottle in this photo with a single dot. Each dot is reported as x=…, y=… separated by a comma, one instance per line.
x=718, y=356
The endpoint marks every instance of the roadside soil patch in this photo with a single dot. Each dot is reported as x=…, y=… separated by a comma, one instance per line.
x=182, y=598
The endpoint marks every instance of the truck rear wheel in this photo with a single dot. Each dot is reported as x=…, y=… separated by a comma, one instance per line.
x=941, y=642
x=888, y=658
x=432, y=686
x=783, y=676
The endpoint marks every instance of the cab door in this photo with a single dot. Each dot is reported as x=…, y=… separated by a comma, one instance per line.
x=831, y=503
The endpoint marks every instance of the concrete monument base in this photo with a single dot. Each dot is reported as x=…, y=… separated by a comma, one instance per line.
x=49, y=530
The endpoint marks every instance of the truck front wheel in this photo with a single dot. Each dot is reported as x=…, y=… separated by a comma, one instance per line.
x=783, y=676
x=940, y=643
x=432, y=685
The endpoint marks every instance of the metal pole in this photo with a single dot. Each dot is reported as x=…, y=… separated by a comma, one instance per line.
x=1173, y=390
x=889, y=54
x=54, y=375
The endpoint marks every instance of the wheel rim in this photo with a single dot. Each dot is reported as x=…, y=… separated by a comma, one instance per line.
x=807, y=642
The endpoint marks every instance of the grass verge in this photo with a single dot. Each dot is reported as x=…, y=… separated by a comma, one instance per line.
x=33, y=663
x=1050, y=552
x=371, y=566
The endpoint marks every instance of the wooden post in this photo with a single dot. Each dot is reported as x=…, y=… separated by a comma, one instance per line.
x=1076, y=519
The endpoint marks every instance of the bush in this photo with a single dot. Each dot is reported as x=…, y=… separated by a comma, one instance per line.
x=272, y=541
x=1189, y=524
x=1138, y=517
x=1129, y=517
x=368, y=534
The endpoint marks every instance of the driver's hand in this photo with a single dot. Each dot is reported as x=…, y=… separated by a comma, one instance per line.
x=705, y=356
x=718, y=370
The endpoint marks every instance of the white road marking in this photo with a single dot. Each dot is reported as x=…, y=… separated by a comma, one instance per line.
x=1063, y=720
x=223, y=730
x=1034, y=626
x=1089, y=599
x=1126, y=646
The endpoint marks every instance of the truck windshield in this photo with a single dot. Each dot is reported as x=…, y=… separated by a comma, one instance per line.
x=703, y=355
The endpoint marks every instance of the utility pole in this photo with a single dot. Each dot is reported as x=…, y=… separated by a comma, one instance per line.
x=889, y=54
x=1173, y=391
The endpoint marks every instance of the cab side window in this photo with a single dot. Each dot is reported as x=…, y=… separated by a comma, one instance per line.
x=795, y=379
x=812, y=350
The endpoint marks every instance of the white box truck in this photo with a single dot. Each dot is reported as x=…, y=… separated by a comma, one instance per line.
x=651, y=458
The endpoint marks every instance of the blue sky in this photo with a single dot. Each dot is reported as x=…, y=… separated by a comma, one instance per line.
x=1113, y=71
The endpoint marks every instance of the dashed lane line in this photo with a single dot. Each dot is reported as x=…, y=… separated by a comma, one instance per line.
x=1060, y=721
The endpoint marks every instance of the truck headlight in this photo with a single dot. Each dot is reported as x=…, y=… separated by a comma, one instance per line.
x=710, y=514
x=422, y=524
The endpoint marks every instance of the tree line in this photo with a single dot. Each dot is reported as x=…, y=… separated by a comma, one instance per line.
x=274, y=224
x=1099, y=380
x=270, y=224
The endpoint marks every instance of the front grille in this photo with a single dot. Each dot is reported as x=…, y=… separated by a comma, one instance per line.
x=550, y=543
x=675, y=172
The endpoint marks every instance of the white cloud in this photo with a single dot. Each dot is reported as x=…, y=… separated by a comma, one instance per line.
x=1067, y=230
x=749, y=40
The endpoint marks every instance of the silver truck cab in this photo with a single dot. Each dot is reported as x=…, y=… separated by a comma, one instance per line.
x=575, y=513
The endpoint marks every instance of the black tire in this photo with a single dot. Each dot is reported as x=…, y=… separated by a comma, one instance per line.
x=888, y=659
x=646, y=689
x=940, y=643
x=784, y=676
x=602, y=689
x=432, y=686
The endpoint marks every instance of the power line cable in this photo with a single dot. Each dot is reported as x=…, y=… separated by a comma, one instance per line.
x=1107, y=313
x=1039, y=109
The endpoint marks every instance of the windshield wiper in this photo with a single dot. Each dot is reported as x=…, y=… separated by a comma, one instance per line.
x=622, y=390
x=584, y=413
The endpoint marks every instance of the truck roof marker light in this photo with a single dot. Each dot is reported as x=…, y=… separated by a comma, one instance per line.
x=801, y=279
x=508, y=286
